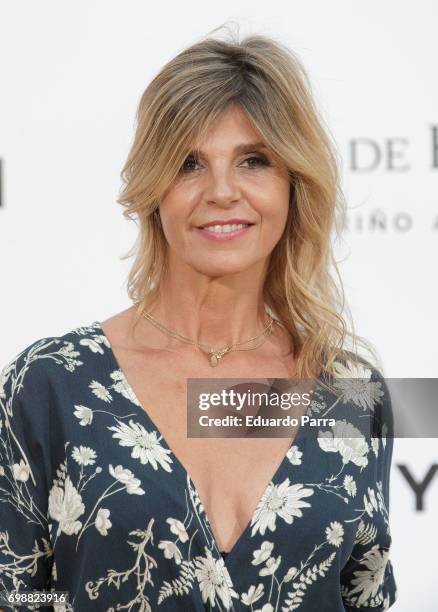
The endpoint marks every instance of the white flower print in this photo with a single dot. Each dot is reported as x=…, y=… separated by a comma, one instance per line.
x=352, y=370
x=122, y=386
x=100, y=391
x=266, y=608
x=126, y=477
x=92, y=344
x=84, y=455
x=350, y=485
x=263, y=553
x=65, y=506
x=171, y=550
x=21, y=471
x=102, y=339
x=362, y=392
x=271, y=566
x=171, y=557
x=294, y=455
x=178, y=529
x=347, y=440
x=282, y=500
x=334, y=533
x=146, y=445
x=102, y=521
x=253, y=595
x=214, y=580
x=368, y=582
x=84, y=414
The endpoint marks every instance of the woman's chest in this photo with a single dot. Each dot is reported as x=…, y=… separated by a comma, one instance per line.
x=230, y=473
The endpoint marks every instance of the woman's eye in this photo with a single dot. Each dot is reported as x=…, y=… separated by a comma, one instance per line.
x=189, y=164
x=257, y=160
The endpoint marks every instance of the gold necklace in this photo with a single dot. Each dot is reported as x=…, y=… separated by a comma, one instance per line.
x=215, y=354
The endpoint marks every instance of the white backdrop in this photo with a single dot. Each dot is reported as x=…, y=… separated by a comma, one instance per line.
x=71, y=77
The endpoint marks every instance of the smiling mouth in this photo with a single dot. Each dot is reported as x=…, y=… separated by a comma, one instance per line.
x=225, y=229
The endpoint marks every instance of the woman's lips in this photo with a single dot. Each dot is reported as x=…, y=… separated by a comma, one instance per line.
x=221, y=236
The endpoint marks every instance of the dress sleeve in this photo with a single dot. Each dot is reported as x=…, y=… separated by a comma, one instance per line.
x=367, y=579
x=25, y=546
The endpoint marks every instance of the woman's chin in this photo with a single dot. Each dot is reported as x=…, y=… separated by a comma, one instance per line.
x=215, y=269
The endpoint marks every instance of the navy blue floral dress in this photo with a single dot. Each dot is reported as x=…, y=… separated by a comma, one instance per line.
x=95, y=503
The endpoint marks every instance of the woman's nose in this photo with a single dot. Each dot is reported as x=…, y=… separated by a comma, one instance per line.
x=222, y=187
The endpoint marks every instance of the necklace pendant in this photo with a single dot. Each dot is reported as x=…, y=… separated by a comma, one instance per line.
x=215, y=356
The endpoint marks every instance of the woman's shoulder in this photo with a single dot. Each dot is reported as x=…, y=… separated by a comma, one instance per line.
x=372, y=387
x=47, y=357
x=349, y=364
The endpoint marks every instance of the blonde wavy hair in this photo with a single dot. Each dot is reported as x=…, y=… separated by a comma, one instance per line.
x=270, y=84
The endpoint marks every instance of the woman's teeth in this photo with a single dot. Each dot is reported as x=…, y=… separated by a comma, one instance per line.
x=222, y=229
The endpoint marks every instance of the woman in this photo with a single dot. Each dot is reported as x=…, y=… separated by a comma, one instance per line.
x=234, y=182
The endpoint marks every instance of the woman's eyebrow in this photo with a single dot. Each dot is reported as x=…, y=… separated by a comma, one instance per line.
x=246, y=147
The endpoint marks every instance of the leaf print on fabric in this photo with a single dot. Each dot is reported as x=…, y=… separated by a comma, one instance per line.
x=139, y=572
x=374, y=503
x=284, y=501
x=350, y=485
x=13, y=376
x=365, y=533
x=182, y=585
x=370, y=502
x=214, y=581
x=296, y=597
x=22, y=565
x=145, y=445
x=301, y=576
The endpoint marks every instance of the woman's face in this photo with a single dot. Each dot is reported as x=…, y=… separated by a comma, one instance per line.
x=239, y=189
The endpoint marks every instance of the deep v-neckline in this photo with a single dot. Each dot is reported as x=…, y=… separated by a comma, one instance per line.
x=299, y=436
